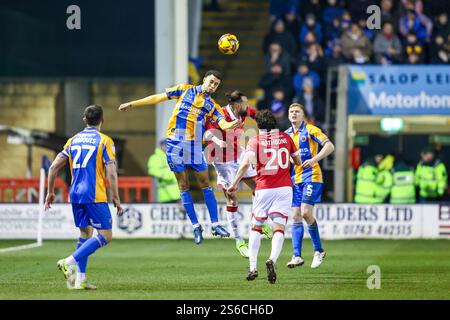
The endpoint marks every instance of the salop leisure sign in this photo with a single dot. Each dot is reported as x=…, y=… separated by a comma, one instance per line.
x=399, y=90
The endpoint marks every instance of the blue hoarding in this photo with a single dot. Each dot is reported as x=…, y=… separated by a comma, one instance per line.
x=399, y=90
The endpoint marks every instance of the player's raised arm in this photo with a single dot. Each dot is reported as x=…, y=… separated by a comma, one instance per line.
x=147, y=101
x=57, y=164
x=171, y=93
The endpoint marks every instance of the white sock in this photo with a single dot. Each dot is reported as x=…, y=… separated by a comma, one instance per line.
x=215, y=224
x=254, y=242
x=195, y=226
x=233, y=220
x=277, y=245
x=71, y=260
x=81, y=277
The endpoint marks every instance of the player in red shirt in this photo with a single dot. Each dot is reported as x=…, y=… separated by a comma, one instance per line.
x=225, y=153
x=271, y=150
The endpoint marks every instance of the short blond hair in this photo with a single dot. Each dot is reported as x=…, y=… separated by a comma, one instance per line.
x=298, y=105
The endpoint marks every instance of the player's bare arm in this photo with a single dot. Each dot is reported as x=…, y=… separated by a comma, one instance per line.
x=246, y=162
x=327, y=149
x=209, y=136
x=147, y=101
x=57, y=164
x=111, y=174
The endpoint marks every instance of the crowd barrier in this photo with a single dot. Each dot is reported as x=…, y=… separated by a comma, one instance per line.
x=20, y=190
x=27, y=189
x=336, y=221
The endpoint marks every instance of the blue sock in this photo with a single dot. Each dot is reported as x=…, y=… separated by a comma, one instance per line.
x=211, y=203
x=89, y=247
x=188, y=205
x=82, y=264
x=315, y=237
x=297, y=238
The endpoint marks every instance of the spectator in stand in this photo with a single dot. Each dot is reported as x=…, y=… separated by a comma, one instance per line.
x=332, y=36
x=387, y=45
x=369, y=33
x=276, y=55
x=279, y=8
x=302, y=74
x=359, y=57
x=310, y=25
x=278, y=33
x=278, y=106
x=331, y=12
x=413, y=47
x=310, y=39
x=356, y=39
x=335, y=58
x=314, y=58
x=388, y=12
x=346, y=22
x=333, y=31
x=413, y=58
x=292, y=24
x=274, y=79
x=441, y=26
x=312, y=102
x=439, y=50
x=311, y=6
x=417, y=23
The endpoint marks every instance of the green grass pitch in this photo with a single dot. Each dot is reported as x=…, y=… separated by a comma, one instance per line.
x=178, y=269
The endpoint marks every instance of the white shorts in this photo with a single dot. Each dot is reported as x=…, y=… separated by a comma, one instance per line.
x=274, y=203
x=226, y=172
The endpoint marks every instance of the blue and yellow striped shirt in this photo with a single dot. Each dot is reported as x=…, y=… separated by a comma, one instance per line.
x=191, y=110
x=88, y=153
x=307, y=139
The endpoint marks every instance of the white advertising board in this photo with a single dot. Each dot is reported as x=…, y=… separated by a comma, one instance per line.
x=336, y=221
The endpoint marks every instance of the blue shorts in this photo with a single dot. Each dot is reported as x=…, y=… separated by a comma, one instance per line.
x=182, y=155
x=307, y=192
x=96, y=215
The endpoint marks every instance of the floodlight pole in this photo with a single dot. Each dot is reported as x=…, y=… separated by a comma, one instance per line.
x=171, y=56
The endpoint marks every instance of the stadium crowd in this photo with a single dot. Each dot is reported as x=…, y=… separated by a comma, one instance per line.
x=308, y=36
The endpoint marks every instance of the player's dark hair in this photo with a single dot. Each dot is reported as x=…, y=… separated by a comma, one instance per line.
x=93, y=115
x=298, y=105
x=215, y=73
x=235, y=96
x=265, y=120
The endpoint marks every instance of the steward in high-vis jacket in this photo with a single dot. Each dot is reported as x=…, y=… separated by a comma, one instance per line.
x=167, y=183
x=403, y=190
x=367, y=188
x=431, y=177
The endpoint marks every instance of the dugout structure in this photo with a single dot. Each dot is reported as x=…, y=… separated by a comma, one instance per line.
x=414, y=100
